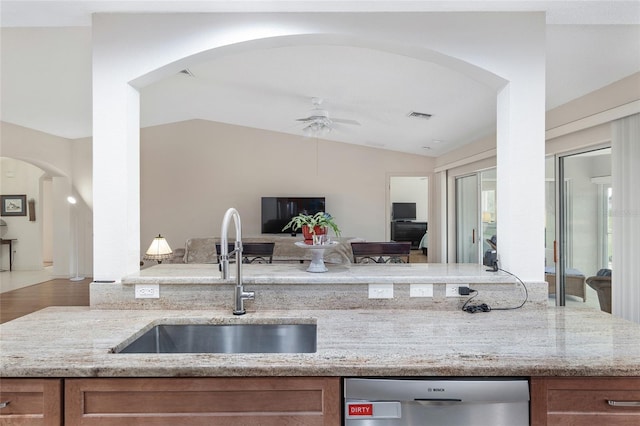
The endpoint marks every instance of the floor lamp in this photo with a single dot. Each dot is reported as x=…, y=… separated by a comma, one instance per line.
x=73, y=202
x=3, y=226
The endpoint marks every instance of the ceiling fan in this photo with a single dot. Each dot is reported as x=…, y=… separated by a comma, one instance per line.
x=319, y=122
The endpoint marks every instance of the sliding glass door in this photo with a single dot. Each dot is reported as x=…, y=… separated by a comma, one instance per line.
x=475, y=215
x=580, y=220
x=467, y=219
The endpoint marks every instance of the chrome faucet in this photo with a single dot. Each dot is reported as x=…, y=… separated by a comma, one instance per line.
x=239, y=294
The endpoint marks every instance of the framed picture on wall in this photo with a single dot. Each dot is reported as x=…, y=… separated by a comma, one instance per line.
x=14, y=205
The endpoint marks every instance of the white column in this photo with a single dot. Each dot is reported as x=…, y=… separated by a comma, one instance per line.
x=520, y=176
x=625, y=174
x=116, y=176
x=62, y=238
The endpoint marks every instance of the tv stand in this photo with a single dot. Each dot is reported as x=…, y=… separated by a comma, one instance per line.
x=408, y=231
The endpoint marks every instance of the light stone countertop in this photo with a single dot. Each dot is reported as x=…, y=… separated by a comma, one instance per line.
x=281, y=286
x=76, y=342
x=292, y=273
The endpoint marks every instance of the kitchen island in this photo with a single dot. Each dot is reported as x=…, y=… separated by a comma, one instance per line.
x=575, y=359
x=72, y=352
x=79, y=342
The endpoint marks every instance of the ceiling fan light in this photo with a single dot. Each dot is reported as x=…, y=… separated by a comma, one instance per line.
x=325, y=130
x=316, y=128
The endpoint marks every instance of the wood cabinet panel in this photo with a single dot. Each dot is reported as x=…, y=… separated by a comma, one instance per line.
x=585, y=401
x=203, y=401
x=31, y=402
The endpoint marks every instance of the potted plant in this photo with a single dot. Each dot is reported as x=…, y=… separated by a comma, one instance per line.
x=311, y=225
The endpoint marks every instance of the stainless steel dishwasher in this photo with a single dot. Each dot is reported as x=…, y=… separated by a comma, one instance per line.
x=418, y=402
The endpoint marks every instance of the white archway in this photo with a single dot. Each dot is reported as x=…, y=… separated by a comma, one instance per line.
x=129, y=46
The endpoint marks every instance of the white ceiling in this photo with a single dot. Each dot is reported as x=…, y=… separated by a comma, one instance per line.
x=46, y=73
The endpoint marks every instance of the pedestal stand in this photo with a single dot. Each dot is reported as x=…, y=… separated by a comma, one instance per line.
x=317, y=254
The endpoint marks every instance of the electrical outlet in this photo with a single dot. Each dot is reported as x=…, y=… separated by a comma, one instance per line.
x=147, y=291
x=452, y=290
x=380, y=291
x=420, y=290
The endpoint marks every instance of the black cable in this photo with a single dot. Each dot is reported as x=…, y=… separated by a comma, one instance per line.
x=486, y=308
x=526, y=293
x=474, y=308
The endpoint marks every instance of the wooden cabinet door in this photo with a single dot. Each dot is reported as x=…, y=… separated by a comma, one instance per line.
x=31, y=402
x=577, y=401
x=264, y=401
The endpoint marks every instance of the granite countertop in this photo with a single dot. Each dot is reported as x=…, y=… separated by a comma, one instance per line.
x=342, y=287
x=287, y=273
x=77, y=342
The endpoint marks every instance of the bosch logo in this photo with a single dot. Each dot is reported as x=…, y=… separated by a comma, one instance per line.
x=436, y=389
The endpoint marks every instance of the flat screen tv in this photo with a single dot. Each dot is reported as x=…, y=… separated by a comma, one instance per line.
x=403, y=211
x=278, y=211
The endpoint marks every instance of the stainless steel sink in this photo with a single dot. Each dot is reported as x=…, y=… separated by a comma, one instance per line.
x=216, y=338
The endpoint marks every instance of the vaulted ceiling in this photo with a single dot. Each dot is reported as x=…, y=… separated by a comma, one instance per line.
x=46, y=73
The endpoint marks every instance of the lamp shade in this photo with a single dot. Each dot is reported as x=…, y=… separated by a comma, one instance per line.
x=159, y=249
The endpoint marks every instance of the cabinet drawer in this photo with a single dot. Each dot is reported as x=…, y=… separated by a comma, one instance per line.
x=203, y=401
x=594, y=401
x=31, y=402
x=585, y=401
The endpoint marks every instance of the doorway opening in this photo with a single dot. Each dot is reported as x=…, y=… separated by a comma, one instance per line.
x=408, y=211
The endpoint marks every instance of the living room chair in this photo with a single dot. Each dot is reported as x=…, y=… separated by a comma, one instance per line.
x=252, y=252
x=381, y=252
x=601, y=283
x=574, y=282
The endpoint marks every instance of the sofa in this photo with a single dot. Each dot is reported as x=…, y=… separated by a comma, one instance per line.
x=203, y=250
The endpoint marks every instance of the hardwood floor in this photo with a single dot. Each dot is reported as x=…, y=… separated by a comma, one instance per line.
x=417, y=256
x=60, y=292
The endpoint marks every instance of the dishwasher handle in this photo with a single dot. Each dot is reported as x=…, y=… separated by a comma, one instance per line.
x=438, y=401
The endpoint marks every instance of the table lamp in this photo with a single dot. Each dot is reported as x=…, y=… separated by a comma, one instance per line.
x=159, y=250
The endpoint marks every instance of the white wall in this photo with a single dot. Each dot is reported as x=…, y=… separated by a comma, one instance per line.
x=192, y=172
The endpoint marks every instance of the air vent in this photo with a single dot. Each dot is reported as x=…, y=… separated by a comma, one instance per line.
x=423, y=115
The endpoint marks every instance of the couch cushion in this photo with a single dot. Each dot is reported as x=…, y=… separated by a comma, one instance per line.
x=201, y=250
x=178, y=256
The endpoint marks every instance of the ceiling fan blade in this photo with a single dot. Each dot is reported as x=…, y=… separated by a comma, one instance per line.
x=316, y=119
x=320, y=117
x=345, y=121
